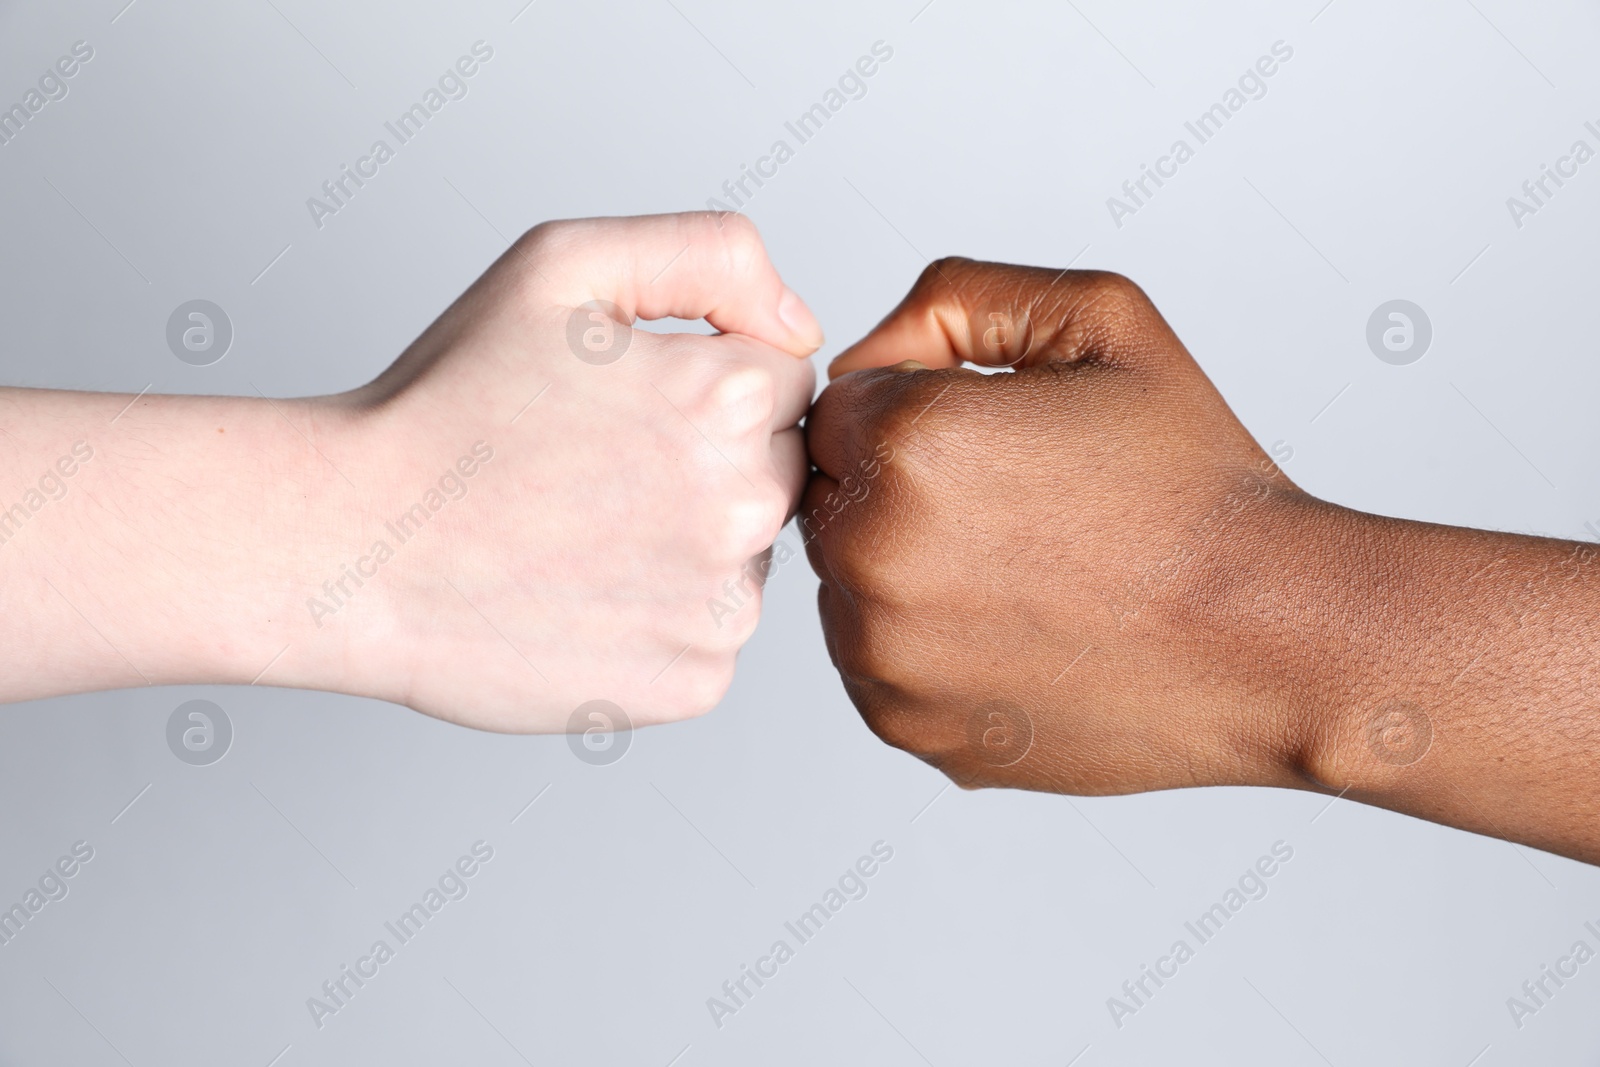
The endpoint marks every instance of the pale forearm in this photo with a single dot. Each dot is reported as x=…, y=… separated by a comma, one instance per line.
x=179, y=548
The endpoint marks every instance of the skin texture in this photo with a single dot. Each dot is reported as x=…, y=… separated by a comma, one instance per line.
x=1084, y=576
x=569, y=520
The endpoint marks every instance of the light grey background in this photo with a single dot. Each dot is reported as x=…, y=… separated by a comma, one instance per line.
x=1376, y=167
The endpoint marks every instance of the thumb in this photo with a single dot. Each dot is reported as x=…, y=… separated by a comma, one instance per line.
x=998, y=315
x=695, y=265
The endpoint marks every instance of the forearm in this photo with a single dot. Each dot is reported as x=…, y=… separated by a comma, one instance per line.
x=163, y=540
x=1450, y=674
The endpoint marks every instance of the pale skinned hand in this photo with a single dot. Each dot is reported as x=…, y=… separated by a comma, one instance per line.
x=1085, y=576
x=632, y=493
x=530, y=510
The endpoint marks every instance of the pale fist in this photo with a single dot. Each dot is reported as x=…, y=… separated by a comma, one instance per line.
x=1042, y=578
x=622, y=481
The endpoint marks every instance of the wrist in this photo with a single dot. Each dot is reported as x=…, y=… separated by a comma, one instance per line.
x=382, y=605
x=1283, y=634
x=1333, y=647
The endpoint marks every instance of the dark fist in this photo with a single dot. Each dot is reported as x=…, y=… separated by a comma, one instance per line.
x=1065, y=576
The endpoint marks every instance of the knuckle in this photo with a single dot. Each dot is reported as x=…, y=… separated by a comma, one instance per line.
x=774, y=503
x=1111, y=296
x=942, y=273
x=896, y=729
x=820, y=531
x=847, y=568
x=879, y=554
x=538, y=241
x=754, y=521
x=735, y=521
x=741, y=400
x=875, y=655
x=922, y=405
x=887, y=714
x=933, y=733
x=868, y=576
x=1111, y=320
x=848, y=524
x=741, y=243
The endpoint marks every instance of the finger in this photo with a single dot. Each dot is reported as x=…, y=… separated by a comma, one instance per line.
x=792, y=382
x=832, y=523
x=840, y=625
x=844, y=432
x=797, y=387
x=699, y=265
x=997, y=315
x=790, y=466
x=812, y=524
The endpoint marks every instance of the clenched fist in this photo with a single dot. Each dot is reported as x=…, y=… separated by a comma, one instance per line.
x=1044, y=578
x=636, y=475
x=530, y=510
x=1084, y=576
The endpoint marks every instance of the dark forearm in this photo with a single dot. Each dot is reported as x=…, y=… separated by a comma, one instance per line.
x=1451, y=674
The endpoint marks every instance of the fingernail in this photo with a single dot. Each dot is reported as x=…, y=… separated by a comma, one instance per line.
x=795, y=315
x=909, y=364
